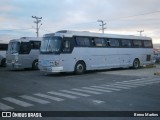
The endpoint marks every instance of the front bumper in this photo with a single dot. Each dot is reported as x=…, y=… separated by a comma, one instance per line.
x=14, y=66
x=51, y=69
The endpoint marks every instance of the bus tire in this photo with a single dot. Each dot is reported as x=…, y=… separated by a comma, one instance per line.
x=80, y=67
x=3, y=62
x=35, y=65
x=136, y=63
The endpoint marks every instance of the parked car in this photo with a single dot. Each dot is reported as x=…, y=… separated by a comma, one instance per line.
x=157, y=57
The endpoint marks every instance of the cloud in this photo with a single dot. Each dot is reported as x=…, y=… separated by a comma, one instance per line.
x=81, y=15
x=2, y=19
x=7, y=8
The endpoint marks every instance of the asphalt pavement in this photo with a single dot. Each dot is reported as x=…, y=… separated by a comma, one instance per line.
x=109, y=90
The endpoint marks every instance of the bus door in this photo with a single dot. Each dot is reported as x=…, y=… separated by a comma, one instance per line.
x=66, y=56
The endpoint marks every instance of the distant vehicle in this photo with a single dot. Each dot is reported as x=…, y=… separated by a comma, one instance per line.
x=23, y=53
x=68, y=51
x=157, y=57
x=3, y=49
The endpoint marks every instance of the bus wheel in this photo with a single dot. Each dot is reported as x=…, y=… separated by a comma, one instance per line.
x=80, y=67
x=136, y=64
x=35, y=65
x=3, y=62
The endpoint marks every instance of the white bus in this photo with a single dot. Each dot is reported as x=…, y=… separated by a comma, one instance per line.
x=3, y=49
x=23, y=53
x=68, y=51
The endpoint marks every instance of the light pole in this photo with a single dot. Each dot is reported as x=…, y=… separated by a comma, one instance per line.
x=140, y=31
x=102, y=25
x=38, y=20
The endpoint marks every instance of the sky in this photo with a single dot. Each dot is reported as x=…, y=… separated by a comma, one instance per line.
x=121, y=17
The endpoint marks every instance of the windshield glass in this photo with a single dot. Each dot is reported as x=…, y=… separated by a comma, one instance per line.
x=50, y=45
x=13, y=47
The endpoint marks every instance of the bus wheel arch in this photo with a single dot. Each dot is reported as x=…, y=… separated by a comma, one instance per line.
x=35, y=64
x=136, y=63
x=80, y=67
x=3, y=62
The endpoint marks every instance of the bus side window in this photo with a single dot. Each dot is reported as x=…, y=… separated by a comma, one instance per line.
x=83, y=41
x=92, y=42
x=137, y=43
x=66, y=46
x=35, y=44
x=147, y=44
x=25, y=48
x=113, y=42
x=99, y=42
x=126, y=43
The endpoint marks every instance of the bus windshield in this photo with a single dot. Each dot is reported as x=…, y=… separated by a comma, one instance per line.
x=51, y=45
x=13, y=47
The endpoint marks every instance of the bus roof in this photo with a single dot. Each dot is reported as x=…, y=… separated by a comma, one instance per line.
x=26, y=39
x=67, y=33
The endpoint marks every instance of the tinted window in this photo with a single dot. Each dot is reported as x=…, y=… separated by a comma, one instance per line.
x=35, y=44
x=66, y=46
x=25, y=48
x=137, y=43
x=99, y=42
x=3, y=47
x=114, y=42
x=126, y=43
x=83, y=41
x=148, y=58
x=148, y=44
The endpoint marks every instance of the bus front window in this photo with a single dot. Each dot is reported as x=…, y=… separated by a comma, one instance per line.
x=50, y=45
x=13, y=47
